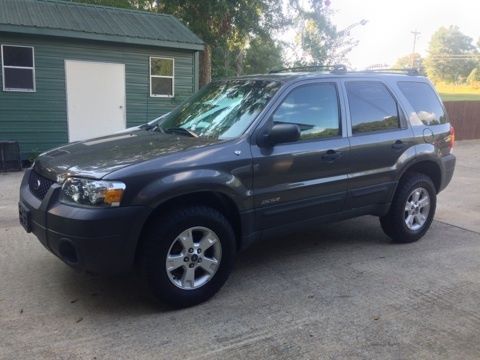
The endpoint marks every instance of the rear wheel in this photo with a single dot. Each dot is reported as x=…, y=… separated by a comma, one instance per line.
x=412, y=209
x=188, y=255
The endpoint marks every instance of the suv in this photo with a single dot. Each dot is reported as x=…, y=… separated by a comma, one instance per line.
x=240, y=160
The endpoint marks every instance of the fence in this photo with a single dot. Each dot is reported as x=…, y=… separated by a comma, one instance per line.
x=465, y=117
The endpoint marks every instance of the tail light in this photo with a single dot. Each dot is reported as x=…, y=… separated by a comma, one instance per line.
x=451, y=138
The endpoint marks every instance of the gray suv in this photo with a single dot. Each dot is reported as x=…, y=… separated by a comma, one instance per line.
x=241, y=160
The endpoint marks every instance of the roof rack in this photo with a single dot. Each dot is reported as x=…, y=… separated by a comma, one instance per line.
x=338, y=68
x=342, y=69
x=408, y=71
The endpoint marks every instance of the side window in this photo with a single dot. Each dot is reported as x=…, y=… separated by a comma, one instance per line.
x=314, y=108
x=162, y=77
x=18, y=68
x=424, y=101
x=372, y=107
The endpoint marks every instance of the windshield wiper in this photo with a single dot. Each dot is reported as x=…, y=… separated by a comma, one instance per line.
x=180, y=130
x=148, y=126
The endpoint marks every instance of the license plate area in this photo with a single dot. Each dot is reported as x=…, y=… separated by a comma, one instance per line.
x=24, y=217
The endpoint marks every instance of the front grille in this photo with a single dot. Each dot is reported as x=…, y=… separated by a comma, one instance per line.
x=39, y=185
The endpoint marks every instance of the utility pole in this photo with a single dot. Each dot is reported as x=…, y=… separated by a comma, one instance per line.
x=415, y=34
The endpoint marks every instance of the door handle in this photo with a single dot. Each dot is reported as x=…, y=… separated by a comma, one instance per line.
x=331, y=155
x=399, y=145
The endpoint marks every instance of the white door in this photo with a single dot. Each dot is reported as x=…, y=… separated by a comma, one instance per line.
x=95, y=99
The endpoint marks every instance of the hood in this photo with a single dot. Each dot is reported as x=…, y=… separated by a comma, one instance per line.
x=97, y=157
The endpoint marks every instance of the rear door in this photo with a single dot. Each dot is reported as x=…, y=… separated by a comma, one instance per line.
x=379, y=136
x=307, y=178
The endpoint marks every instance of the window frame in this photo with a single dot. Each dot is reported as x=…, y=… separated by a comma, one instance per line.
x=288, y=91
x=34, y=77
x=162, y=76
x=400, y=113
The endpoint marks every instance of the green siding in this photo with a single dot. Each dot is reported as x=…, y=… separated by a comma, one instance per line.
x=39, y=120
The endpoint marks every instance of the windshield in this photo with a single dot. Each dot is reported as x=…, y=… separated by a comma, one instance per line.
x=221, y=110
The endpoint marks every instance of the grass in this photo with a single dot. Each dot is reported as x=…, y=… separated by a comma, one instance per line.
x=450, y=92
x=459, y=97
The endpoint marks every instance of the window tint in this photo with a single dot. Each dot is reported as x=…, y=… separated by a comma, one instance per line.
x=18, y=68
x=424, y=101
x=314, y=108
x=372, y=107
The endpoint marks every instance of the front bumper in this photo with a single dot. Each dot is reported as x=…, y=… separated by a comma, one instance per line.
x=102, y=240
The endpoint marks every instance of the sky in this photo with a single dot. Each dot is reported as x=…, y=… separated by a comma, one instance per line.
x=387, y=35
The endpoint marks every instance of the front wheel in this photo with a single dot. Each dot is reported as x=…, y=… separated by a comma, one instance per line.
x=188, y=255
x=412, y=209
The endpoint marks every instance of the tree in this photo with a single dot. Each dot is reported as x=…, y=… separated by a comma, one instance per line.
x=225, y=26
x=474, y=78
x=262, y=55
x=450, y=55
x=230, y=27
x=318, y=41
x=410, y=61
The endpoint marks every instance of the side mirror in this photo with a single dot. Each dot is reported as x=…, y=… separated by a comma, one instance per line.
x=280, y=133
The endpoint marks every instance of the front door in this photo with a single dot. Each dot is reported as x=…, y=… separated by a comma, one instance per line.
x=307, y=178
x=95, y=98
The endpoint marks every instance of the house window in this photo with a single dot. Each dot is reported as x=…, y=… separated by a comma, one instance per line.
x=161, y=77
x=18, y=68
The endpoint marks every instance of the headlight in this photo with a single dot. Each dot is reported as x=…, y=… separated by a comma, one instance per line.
x=92, y=192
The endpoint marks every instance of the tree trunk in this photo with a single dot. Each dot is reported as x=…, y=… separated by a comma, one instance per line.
x=205, y=66
x=239, y=63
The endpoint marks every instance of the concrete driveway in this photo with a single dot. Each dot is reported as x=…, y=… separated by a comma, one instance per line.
x=343, y=291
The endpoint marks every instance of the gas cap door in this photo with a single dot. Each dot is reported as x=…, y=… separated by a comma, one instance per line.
x=428, y=136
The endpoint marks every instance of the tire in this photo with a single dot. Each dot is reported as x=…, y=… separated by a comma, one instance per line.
x=207, y=226
x=394, y=223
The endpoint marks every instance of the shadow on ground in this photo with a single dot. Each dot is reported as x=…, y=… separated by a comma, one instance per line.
x=115, y=294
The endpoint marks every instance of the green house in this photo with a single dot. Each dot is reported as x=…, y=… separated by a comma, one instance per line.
x=72, y=71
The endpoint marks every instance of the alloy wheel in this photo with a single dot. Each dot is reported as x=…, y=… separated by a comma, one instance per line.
x=417, y=209
x=193, y=258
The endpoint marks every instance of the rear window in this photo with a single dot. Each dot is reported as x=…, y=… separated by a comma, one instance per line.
x=424, y=101
x=372, y=107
